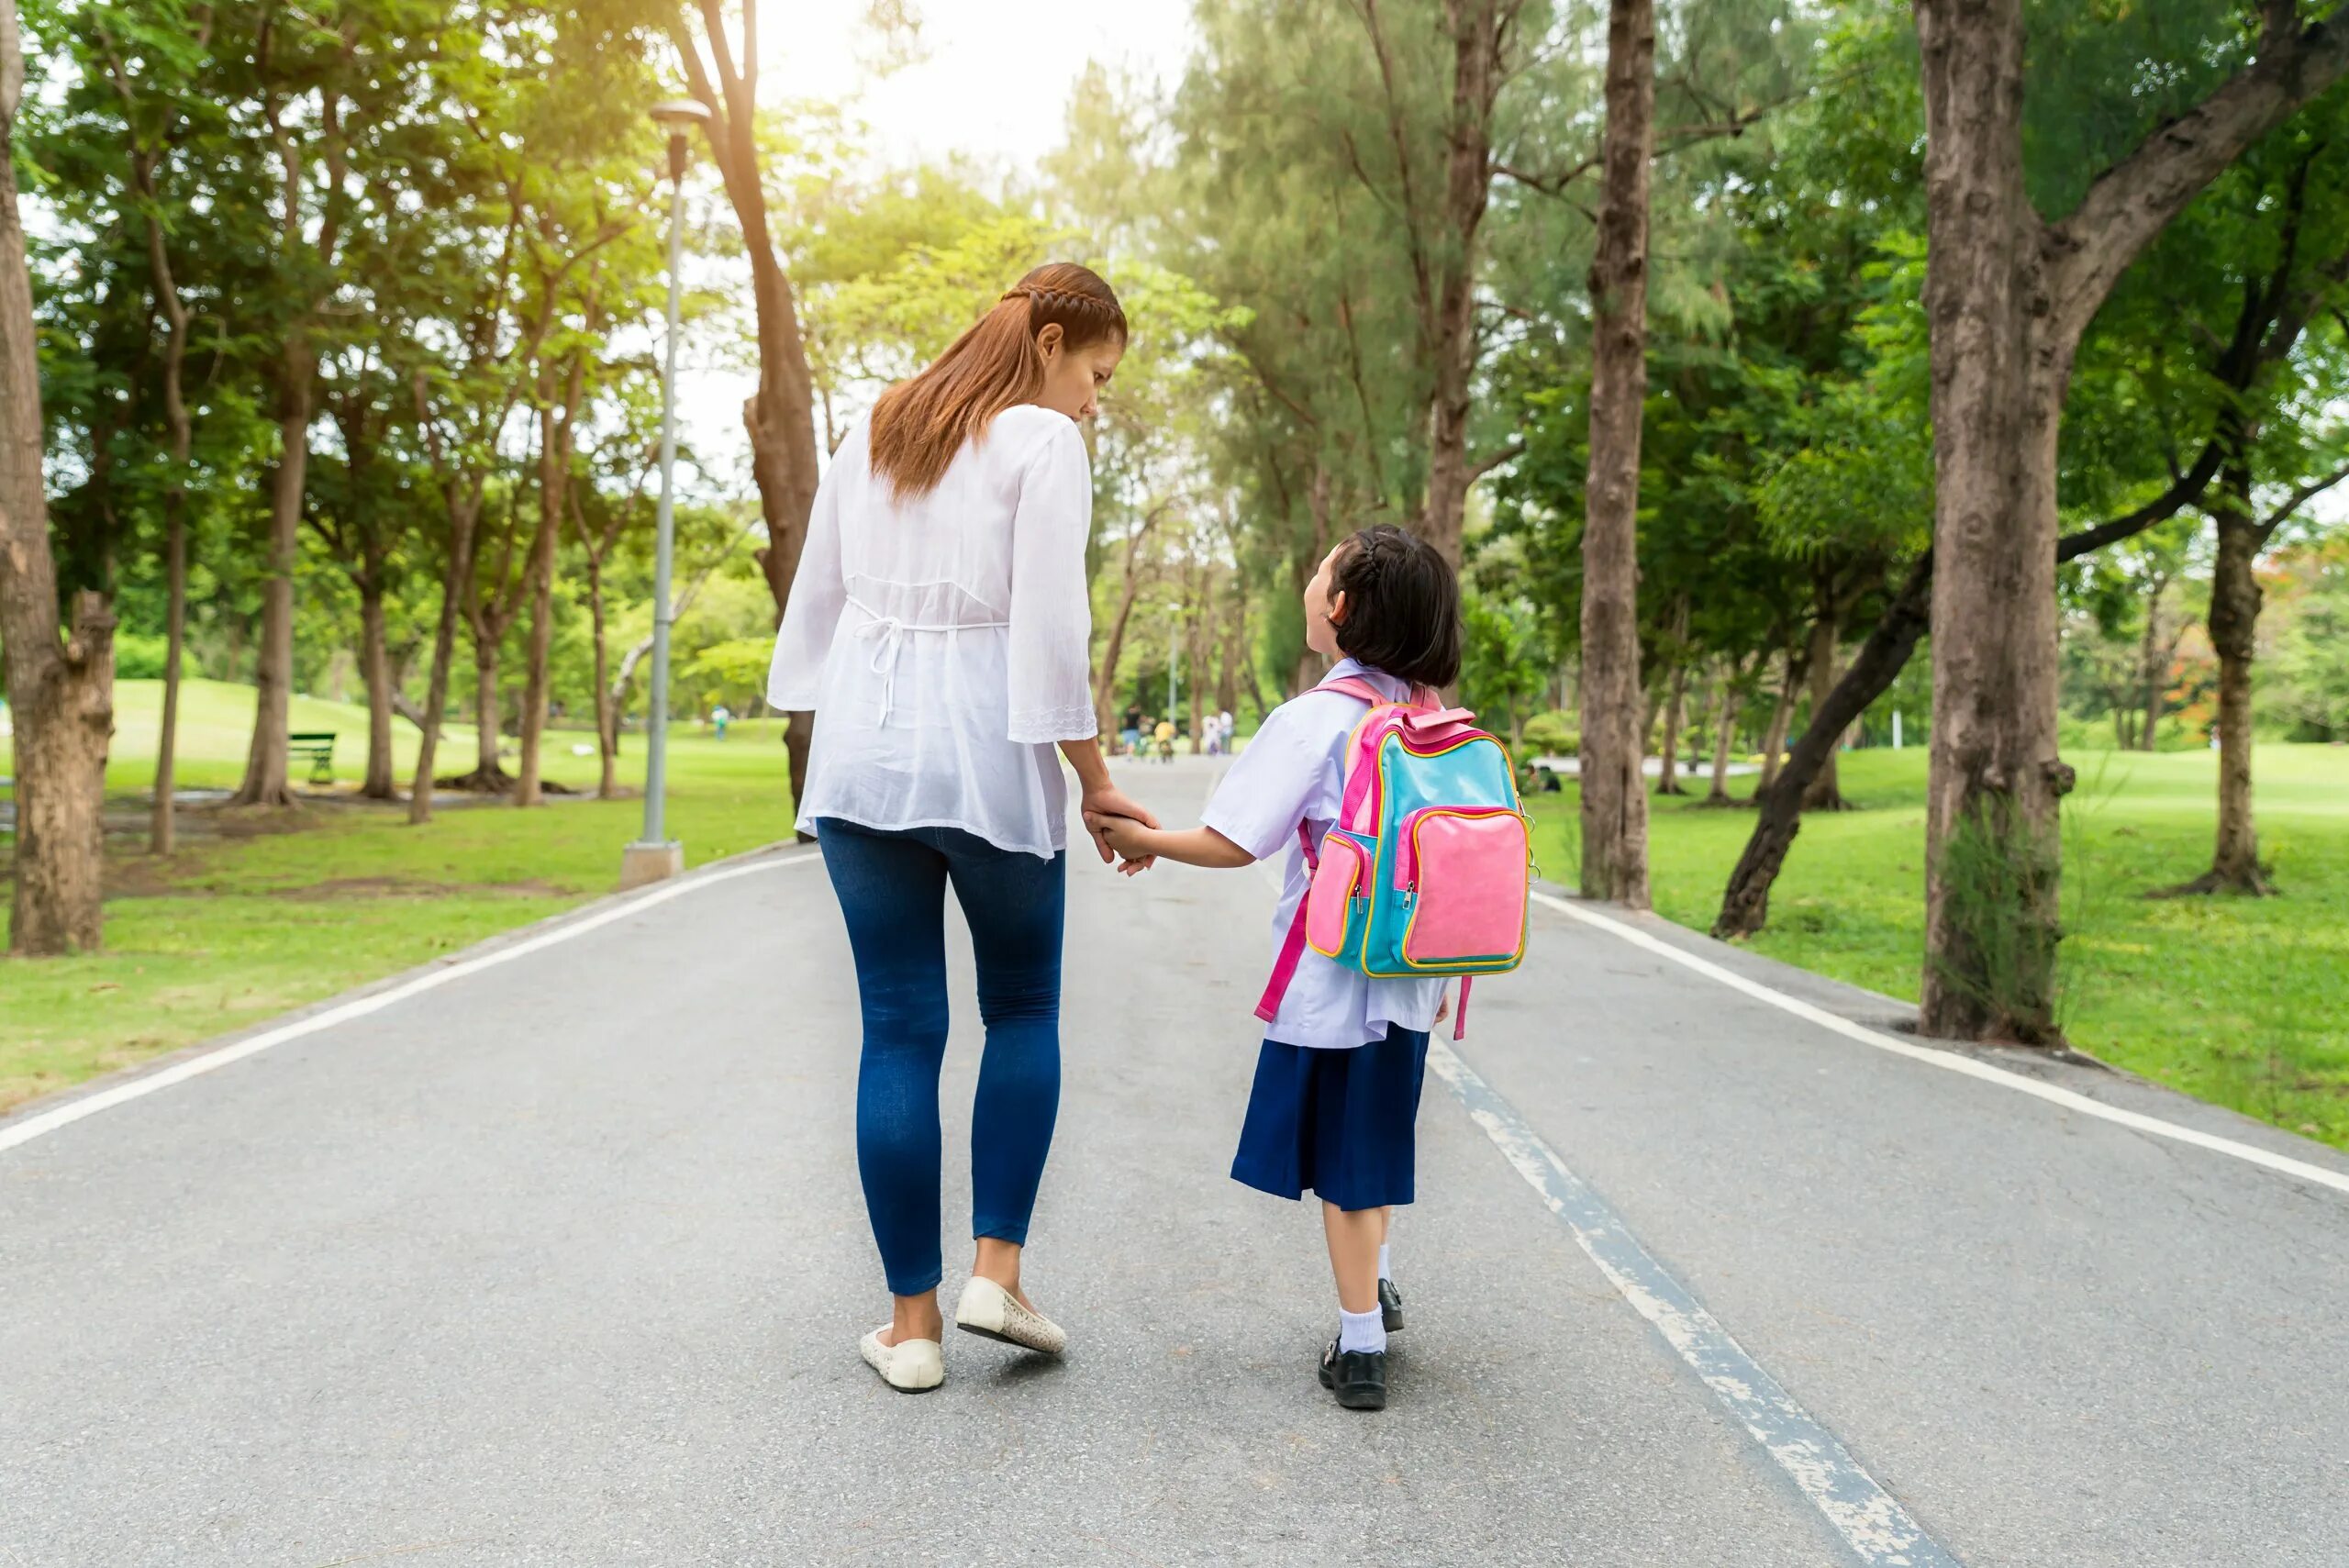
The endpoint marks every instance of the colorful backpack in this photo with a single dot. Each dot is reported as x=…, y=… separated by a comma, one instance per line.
x=1425, y=871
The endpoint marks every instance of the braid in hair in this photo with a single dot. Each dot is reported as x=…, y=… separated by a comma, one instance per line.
x=919, y=425
x=1402, y=605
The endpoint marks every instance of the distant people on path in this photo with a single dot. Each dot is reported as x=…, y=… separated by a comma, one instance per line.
x=719, y=717
x=1338, y=1078
x=1130, y=729
x=1165, y=736
x=940, y=629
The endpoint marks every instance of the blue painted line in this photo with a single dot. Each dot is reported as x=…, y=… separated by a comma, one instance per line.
x=1878, y=1529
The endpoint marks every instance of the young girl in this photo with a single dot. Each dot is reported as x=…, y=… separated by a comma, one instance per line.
x=1337, y=1080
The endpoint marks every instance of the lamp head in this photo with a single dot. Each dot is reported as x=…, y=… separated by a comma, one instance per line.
x=678, y=115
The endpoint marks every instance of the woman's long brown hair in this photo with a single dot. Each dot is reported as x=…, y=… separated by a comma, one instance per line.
x=919, y=425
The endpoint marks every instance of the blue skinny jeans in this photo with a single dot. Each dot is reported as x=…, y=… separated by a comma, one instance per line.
x=892, y=887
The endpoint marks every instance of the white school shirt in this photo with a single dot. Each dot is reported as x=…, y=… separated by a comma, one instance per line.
x=944, y=640
x=1293, y=771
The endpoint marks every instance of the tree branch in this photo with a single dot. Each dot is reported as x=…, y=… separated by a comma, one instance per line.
x=2183, y=492
x=2132, y=202
x=2300, y=497
x=1514, y=449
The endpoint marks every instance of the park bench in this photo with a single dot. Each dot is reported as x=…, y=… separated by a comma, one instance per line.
x=319, y=746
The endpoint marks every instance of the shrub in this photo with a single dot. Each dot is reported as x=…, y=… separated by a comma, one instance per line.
x=1551, y=734
x=138, y=658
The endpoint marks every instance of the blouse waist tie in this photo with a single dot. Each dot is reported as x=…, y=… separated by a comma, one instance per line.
x=888, y=634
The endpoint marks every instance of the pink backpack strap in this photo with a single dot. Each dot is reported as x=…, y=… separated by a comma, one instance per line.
x=1354, y=686
x=1268, y=1006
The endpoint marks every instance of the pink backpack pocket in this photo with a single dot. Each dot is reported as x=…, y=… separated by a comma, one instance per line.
x=1463, y=870
x=1328, y=902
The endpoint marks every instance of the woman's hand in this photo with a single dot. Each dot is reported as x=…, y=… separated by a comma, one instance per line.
x=1107, y=800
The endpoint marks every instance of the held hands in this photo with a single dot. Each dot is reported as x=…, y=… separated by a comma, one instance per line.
x=1126, y=836
x=1109, y=810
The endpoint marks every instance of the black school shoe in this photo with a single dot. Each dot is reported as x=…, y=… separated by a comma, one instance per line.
x=1390, y=1306
x=1357, y=1377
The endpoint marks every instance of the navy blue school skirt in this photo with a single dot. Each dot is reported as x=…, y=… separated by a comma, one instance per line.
x=1339, y=1123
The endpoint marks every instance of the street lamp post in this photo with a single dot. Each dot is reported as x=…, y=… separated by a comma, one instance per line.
x=656, y=856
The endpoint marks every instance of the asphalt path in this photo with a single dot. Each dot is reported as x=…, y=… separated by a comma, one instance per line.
x=556, y=1255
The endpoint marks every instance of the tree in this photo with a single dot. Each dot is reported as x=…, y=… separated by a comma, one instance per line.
x=172, y=46
x=518, y=220
x=780, y=416
x=59, y=678
x=1614, y=796
x=1439, y=188
x=303, y=82
x=2009, y=295
x=363, y=531
x=598, y=537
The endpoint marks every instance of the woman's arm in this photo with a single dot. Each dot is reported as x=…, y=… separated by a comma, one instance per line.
x=1141, y=842
x=819, y=596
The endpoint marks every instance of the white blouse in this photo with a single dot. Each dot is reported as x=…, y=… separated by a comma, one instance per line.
x=944, y=642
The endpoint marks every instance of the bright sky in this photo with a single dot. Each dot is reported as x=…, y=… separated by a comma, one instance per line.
x=993, y=84
x=996, y=75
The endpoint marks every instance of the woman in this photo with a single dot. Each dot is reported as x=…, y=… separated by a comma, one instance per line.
x=940, y=627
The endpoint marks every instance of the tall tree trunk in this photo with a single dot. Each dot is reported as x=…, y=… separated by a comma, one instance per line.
x=375, y=664
x=1104, y=682
x=1824, y=794
x=2233, y=622
x=1996, y=784
x=1724, y=709
x=1614, y=794
x=164, y=821
x=1113, y=649
x=1782, y=712
x=1675, y=711
x=489, y=715
x=1235, y=651
x=2154, y=660
x=61, y=690
x=607, y=741
x=1195, y=654
x=463, y=510
x=163, y=829
x=266, y=780
x=555, y=478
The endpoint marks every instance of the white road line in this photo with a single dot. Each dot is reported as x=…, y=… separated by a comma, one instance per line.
x=1878, y=1529
x=19, y=1133
x=1951, y=1061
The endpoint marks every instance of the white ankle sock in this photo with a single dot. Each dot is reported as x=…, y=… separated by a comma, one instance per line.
x=1383, y=1273
x=1360, y=1331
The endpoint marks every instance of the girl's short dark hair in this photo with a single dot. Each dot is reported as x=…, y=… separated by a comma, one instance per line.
x=1402, y=605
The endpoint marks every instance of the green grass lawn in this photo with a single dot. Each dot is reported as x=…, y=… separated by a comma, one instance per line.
x=282, y=909
x=2241, y=1001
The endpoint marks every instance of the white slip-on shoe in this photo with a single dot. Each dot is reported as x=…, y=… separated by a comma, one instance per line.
x=988, y=1309
x=909, y=1366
